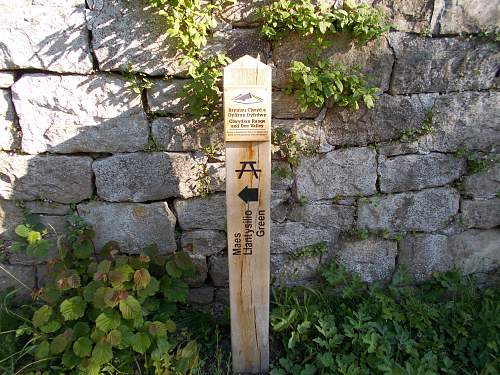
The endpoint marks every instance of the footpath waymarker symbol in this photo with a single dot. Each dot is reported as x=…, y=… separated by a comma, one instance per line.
x=247, y=128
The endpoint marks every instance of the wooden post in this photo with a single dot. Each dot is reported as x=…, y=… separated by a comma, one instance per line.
x=247, y=114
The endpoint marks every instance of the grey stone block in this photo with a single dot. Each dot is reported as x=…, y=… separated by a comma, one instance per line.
x=427, y=210
x=134, y=226
x=202, y=213
x=100, y=115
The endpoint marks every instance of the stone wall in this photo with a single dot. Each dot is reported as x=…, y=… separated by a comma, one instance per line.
x=73, y=136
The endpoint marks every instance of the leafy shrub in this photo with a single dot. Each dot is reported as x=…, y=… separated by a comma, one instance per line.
x=287, y=147
x=110, y=312
x=314, y=85
x=307, y=18
x=443, y=327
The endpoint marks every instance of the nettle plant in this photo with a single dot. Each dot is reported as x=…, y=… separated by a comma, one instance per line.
x=109, y=312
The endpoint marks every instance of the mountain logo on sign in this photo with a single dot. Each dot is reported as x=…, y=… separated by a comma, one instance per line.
x=247, y=98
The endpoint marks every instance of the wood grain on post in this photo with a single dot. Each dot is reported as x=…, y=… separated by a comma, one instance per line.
x=247, y=114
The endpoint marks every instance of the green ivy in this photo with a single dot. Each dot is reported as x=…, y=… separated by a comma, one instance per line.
x=110, y=313
x=344, y=326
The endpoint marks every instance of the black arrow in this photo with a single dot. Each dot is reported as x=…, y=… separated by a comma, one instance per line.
x=249, y=195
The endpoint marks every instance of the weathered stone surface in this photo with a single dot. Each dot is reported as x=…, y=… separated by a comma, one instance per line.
x=347, y=172
x=484, y=184
x=476, y=250
x=323, y=214
x=481, y=214
x=279, y=204
x=141, y=177
x=407, y=15
x=180, y=134
x=424, y=254
x=8, y=132
x=238, y=43
x=47, y=208
x=442, y=64
x=392, y=114
x=468, y=120
x=414, y=172
x=376, y=58
x=286, y=107
x=289, y=237
x=464, y=16
x=49, y=35
x=6, y=79
x=308, y=131
x=130, y=35
x=282, y=175
x=203, y=242
x=25, y=274
x=10, y=217
x=222, y=295
x=200, y=263
x=286, y=271
x=242, y=12
x=63, y=179
x=374, y=259
x=100, y=115
x=202, y=213
x=427, y=210
x=134, y=226
x=201, y=296
x=165, y=96
x=219, y=270
x=216, y=174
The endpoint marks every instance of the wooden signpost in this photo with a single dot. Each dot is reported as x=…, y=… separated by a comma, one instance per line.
x=247, y=123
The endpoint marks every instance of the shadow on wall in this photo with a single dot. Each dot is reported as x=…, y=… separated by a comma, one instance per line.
x=84, y=132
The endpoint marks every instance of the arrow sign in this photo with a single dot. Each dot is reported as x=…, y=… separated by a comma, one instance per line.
x=249, y=194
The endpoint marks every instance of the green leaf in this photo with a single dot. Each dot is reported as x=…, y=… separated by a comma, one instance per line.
x=50, y=327
x=73, y=308
x=114, y=337
x=38, y=249
x=107, y=321
x=59, y=343
x=151, y=289
x=81, y=329
x=174, y=290
x=120, y=274
x=142, y=278
x=102, y=353
x=33, y=237
x=83, y=249
x=90, y=290
x=173, y=270
x=22, y=231
x=42, y=350
x=183, y=261
x=42, y=316
x=83, y=347
x=130, y=308
x=69, y=359
x=140, y=342
x=157, y=329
